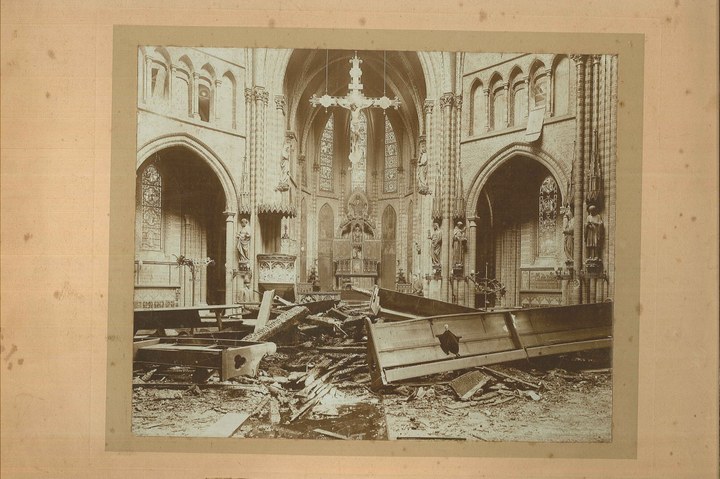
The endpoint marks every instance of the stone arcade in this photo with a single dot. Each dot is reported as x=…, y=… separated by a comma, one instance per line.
x=433, y=172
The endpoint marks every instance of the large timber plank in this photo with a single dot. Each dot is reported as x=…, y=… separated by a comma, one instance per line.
x=226, y=425
x=265, y=308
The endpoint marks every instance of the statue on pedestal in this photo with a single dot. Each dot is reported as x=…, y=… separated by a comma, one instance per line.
x=422, y=172
x=243, y=241
x=568, y=234
x=459, y=244
x=435, y=248
x=594, y=230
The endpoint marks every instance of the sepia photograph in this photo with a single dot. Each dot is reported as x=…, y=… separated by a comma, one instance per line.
x=374, y=245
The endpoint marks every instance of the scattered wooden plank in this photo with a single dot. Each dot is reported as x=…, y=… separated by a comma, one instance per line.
x=311, y=402
x=274, y=411
x=331, y=434
x=500, y=375
x=265, y=307
x=226, y=425
x=468, y=384
x=343, y=349
x=282, y=323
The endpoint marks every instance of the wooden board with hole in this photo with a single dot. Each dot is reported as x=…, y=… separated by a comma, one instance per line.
x=230, y=357
x=407, y=349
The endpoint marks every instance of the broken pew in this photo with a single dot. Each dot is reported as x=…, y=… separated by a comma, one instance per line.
x=177, y=318
x=402, y=306
x=230, y=357
x=409, y=349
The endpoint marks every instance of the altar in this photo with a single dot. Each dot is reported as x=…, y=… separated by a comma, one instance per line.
x=357, y=247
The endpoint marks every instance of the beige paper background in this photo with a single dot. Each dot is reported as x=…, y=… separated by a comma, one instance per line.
x=56, y=148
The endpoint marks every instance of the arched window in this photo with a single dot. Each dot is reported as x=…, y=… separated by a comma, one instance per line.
x=561, y=83
x=547, y=218
x=499, y=108
x=539, y=90
x=204, y=101
x=159, y=81
x=477, y=110
x=359, y=167
x=520, y=108
x=227, y=101
x=151, y=209
x=326, y=155
x=391, y=159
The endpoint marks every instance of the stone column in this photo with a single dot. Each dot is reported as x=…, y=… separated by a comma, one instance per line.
x=550, y=95
x=215, y=102
x=195, y=89
x=529, y=95
x=486, y=93
x=147, y=80
x=230, y=256
x=171, y=88
x=446, y=163
x=471, y=258
x=261, y=97
x=508, y=98
x=578, y=169
x=424, y=265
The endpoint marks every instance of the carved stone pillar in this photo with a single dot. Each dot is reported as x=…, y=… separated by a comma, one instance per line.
x=471, y=258
x=550, y=94
x=508, y=99
x=147, y=81
x=216, y=103
x=486, y=94
x=195, y=87
x=261, y=97
x=578, y=168
x=446, y=106
x=230, y=252
x=527, y=91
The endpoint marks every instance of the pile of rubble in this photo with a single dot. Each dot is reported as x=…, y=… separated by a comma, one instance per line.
x=305, y=370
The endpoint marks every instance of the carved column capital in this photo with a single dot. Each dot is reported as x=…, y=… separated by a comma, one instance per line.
x=196, y=76
x=446, y=100
x=260, y=94
x=428, y=106
x=301, y=158
x=229, y=216
x=280, y=102
x=577, y=58
x=596, y=59
x=458, y=102
x=248, y=95
x=218, y=82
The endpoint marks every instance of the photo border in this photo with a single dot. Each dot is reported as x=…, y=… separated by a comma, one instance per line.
x=630, y=51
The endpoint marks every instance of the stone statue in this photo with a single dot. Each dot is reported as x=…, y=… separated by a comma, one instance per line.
x=417, y=285
x=593, y=233
x=568, y=233
x=459, y=243
x=243, y=240
x=422, y=171
x=285, y=163
x=435, y=246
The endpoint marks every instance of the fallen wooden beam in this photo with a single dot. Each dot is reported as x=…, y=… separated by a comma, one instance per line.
x=409, y=349
x=232, y=358
x=282, y=323
x=330, y=434
x=226, y=425
x=265, y=307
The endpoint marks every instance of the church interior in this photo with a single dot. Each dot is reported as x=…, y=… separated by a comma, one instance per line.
x=482, y=179
x=355, y=220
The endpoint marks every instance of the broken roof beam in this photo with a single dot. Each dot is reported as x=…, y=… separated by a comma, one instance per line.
x=408, y=349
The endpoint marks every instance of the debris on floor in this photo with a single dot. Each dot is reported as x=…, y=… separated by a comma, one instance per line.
x=316, y=377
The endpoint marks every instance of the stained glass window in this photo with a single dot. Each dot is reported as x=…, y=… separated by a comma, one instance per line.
x=391, y=159
x=151, y=208
x=359, y=167
x=326, y=156
x=547, y=218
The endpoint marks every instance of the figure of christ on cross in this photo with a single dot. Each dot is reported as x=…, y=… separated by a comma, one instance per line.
x=355, y=101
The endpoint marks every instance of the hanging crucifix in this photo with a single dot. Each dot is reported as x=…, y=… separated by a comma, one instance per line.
x=355, y=101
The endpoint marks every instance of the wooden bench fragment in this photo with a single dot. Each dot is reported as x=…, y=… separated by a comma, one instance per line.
x=282, y=323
